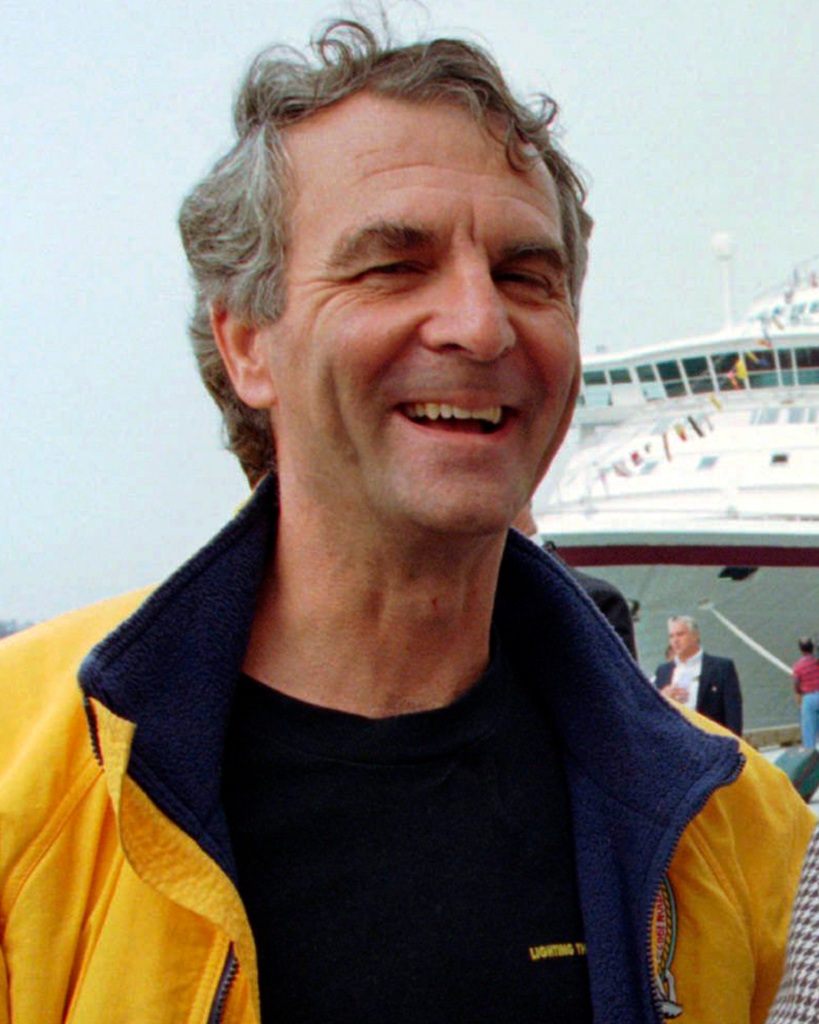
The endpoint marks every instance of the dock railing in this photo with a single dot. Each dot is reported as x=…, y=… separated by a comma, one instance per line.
x=773, y=736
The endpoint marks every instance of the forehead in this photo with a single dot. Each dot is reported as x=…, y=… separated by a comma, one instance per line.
x=369, y=154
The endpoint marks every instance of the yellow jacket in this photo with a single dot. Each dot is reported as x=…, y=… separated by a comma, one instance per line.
x=116, y=899
x=108, y=912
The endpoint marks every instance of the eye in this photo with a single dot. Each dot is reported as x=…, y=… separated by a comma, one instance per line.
x=523, y=277
x=391, y=276
x=530, y=285
x=391, y=269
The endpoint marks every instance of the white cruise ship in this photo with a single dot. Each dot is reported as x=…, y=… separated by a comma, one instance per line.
x=691, y=481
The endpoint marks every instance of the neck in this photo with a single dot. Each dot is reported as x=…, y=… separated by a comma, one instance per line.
x=377, y=630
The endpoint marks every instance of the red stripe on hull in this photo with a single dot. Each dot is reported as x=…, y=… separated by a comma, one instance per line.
x=690, y=554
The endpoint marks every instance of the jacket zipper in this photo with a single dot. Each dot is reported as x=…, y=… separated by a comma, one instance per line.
x=93, y=730
x=655, y=994
x=229, y=972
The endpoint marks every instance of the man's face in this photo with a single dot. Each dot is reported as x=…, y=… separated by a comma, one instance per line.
x=685, y=642
x=425, y=368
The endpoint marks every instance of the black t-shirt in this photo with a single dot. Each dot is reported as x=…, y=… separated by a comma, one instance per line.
x=409, y=870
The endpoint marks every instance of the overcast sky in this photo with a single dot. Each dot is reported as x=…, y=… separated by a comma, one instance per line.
x=688, y=116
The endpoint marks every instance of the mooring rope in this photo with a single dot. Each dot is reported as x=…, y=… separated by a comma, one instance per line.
x=749, y=640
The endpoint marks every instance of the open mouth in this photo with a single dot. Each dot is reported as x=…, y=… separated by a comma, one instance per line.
x=456, y=418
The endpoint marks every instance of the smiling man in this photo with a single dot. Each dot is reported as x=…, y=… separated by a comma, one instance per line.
x=370, y=755
x=426, y=356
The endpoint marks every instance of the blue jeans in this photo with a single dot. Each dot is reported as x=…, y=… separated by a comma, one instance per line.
x=809, y=716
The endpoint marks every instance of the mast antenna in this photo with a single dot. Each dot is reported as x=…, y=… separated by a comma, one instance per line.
x=722, y=245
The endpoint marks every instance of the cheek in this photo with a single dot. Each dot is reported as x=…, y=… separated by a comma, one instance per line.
x=558, y=364
x=323, y=369
x=364, y=349
x=293, y=366
x=559, y=374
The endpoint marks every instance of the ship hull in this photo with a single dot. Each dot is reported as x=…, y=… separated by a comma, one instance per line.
x=752, y=601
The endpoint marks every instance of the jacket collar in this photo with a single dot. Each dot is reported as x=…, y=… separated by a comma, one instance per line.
x=171, y=669
x=614, y=725
x=616, y=730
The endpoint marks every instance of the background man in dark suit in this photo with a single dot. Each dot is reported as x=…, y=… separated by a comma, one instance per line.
x=702, y=681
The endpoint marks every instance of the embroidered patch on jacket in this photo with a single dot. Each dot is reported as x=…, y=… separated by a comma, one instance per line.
x=663, y=942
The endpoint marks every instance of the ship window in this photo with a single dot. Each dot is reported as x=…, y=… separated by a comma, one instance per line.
x=647, y=375
x=696, y=366
x=594, y=377
x=759, y=360
x=699, y=376
x=724, y=361
x=763, y=380
x=785, y=358
x=669, y=370
x=728, y=367
x=796, y=415
x=807, y=365
x=761, y=366
x=814, y=307
x=779, y=459
x=797, y=311
x=620, y=376
x=766, y=417
x=707, y=462
x=671, y=377
x=812, y=415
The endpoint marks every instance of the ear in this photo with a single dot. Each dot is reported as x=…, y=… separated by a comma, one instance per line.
x=244, y=351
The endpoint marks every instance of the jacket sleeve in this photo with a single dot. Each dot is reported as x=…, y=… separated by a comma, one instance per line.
x=662, y=677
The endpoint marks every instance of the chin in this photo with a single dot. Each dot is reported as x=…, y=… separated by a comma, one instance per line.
x=467, y=522
x=474, y=508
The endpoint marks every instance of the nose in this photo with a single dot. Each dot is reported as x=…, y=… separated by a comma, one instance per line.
x=469, y=314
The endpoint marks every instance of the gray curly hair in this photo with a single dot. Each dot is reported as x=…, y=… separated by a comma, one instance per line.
x=234, y=222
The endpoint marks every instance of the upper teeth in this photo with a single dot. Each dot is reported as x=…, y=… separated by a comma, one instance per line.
x=441, y=410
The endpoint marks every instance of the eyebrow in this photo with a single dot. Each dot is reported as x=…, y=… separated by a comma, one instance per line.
x=394, y=238
x=384, y=238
